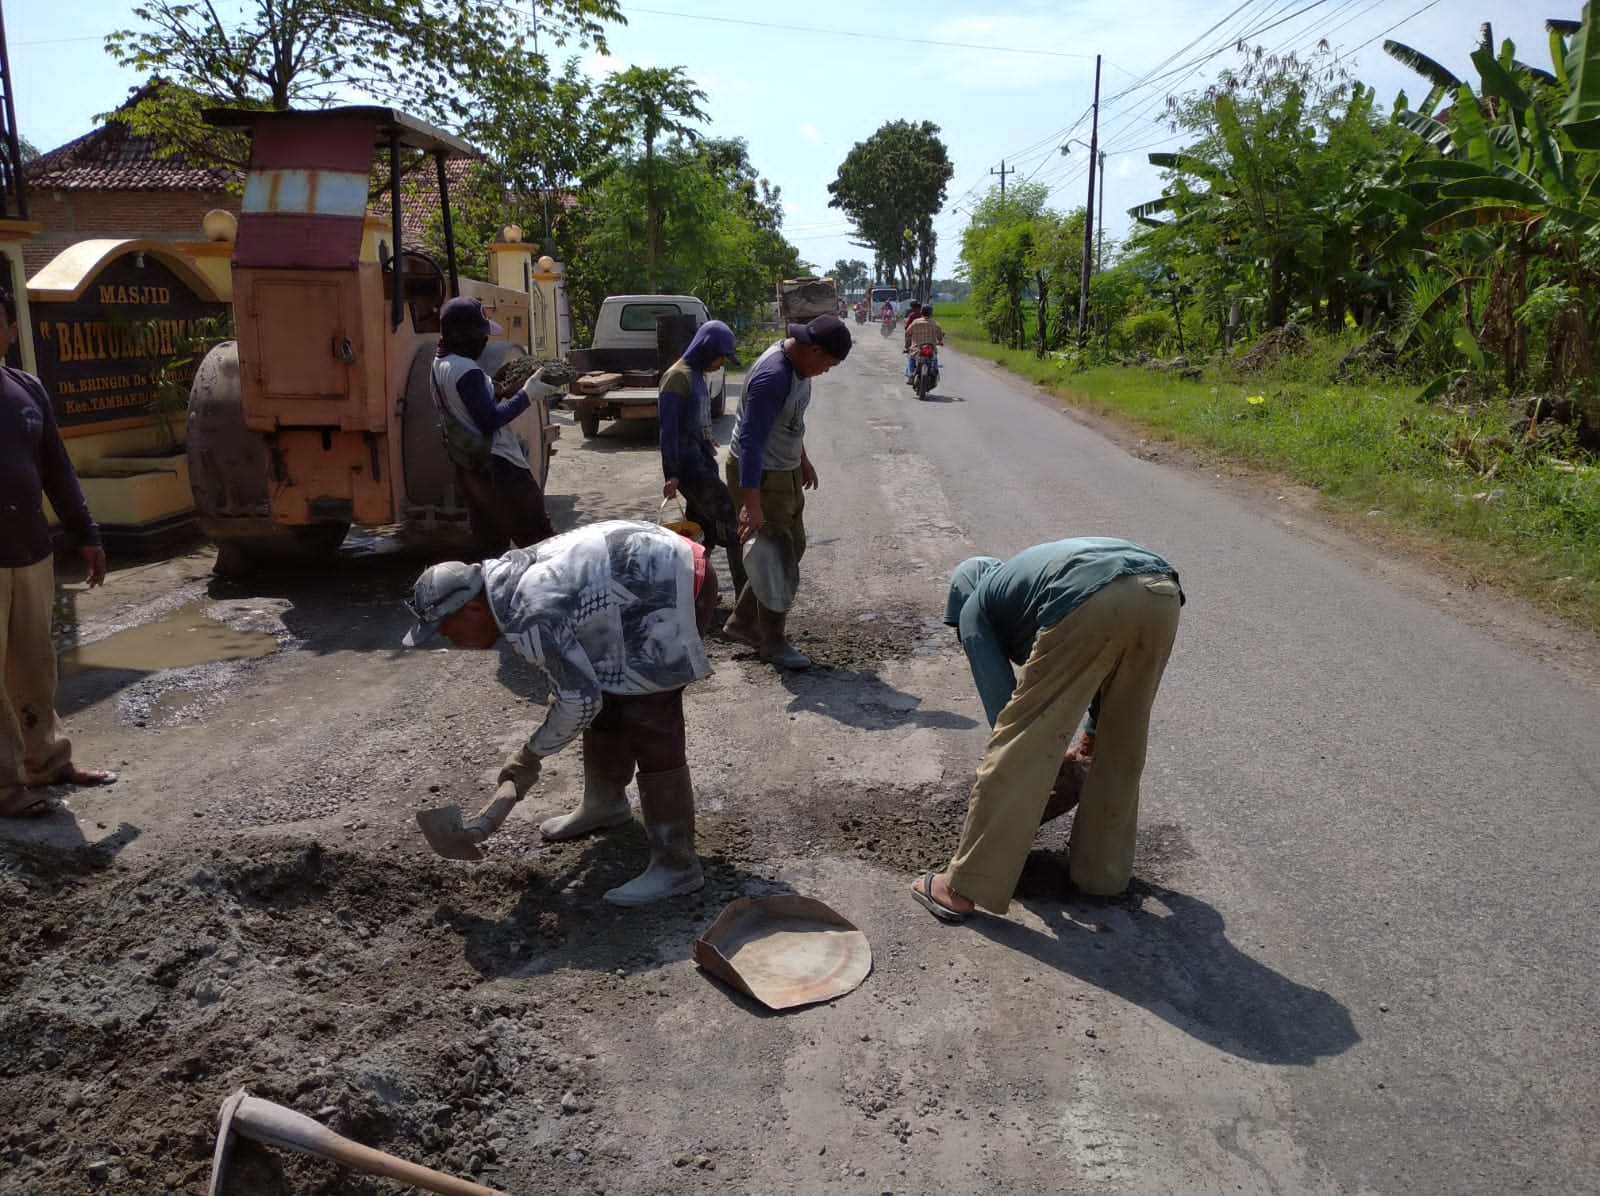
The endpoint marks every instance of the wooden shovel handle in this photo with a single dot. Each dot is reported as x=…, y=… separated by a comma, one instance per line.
x=274, y=1125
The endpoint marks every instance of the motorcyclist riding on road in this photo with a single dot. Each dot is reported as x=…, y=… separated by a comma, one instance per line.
x=924, y=330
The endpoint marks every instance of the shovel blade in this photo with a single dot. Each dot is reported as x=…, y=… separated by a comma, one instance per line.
x=441, y=827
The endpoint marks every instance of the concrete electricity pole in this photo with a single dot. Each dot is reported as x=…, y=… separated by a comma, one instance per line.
x=1088, y=215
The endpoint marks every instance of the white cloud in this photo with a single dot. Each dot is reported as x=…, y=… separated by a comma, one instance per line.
x=809, y=132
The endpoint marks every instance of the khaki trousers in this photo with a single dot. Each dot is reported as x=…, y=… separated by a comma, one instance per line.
x=783, y=503
x=33, y=746
x=1116, y=643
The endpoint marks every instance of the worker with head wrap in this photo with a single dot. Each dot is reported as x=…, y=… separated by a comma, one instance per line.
x=689, y=445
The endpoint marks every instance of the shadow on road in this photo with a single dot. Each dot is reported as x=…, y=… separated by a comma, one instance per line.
x=560, y=921
x=860, y=698
x=1169, y=953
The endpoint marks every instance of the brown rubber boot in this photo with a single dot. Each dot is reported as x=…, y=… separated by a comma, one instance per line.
x=607, y=769
x=775, y=647
x=742, y=625
x=666, y=799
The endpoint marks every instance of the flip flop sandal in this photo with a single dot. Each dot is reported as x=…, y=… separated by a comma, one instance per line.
x=37, y=807
x=85, y=776
x=924, y=896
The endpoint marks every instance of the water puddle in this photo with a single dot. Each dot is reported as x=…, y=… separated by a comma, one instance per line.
x=182, y=639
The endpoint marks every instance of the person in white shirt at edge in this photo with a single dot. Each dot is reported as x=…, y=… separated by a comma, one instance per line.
x=611, y=617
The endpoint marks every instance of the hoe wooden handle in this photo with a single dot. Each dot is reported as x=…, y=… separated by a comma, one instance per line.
x=274, y=1125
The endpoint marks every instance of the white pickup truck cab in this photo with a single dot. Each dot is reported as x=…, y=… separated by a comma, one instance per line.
x=625, y=343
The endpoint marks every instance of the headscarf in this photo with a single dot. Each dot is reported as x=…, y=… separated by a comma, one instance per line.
x=964, y=582
x=711, y=340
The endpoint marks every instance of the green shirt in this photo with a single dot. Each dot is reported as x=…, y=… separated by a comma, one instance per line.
x=1001, y=607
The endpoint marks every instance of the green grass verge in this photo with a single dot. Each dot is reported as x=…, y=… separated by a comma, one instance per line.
x=1459, y=482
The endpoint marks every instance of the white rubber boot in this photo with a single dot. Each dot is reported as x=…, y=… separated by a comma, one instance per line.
x=607, y=769
x=666, y=799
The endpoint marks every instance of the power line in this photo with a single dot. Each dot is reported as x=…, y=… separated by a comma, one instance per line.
x=833, y=33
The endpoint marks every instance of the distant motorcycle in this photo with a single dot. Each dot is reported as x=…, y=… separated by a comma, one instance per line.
x=886, y=325
x=924, y=372
x=861, y=315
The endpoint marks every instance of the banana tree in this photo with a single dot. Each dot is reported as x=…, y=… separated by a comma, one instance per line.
x=1512, y=165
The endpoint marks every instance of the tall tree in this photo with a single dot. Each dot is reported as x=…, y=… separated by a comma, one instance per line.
x=891, y=186
x=851, y=275
x=543, y=135
x=428, y=57
x=643, y=105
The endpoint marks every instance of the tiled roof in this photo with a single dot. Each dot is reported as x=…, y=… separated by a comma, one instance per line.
x=419, y=198
x=114, y=158
x=419, y=193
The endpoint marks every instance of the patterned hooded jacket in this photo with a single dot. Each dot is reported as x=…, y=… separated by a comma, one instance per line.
x=608, y=608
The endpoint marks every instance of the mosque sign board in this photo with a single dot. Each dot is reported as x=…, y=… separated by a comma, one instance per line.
x=104, y=350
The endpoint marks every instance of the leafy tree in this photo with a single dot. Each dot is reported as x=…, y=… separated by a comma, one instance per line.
x=999, y=253
x=1281, y=152
x=428, y=57
x=1498, y=196
x=642, y=104
x=722, y=220
x=851, y=275
x=543, y=135
x=891, y=186
x=26, y=149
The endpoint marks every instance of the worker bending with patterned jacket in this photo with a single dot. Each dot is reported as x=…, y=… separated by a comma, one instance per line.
x=611, y=616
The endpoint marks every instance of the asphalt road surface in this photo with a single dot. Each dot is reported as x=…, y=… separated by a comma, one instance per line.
x=1359, y=956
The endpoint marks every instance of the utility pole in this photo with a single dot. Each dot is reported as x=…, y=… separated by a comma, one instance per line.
x=1088, y=216
x=1100, y=219
x=1002, y=172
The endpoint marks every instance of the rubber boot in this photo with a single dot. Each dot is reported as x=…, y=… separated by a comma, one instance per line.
x=607, y=769
x=666, y=799
x=775, y=647
x=742, y=624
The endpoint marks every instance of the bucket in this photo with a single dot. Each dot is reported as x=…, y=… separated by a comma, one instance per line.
x=683, y=525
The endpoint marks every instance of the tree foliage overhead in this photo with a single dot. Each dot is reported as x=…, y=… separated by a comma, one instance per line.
x=891, y=186
x=431, y=58
x=640, y=106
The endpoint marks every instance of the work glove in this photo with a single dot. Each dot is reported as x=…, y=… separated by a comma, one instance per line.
x=521, y=771
x=538, y=387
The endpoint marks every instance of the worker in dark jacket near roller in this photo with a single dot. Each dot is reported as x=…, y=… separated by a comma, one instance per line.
x=34, y=748
x=505, y=505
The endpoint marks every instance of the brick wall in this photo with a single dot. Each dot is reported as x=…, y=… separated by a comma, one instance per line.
x=82, y=215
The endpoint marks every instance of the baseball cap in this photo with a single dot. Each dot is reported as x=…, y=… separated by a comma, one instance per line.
x=827, y=333
x=442, y=590
x=463, y=316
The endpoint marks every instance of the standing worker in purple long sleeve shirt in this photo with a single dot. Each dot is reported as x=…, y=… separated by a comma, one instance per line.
x=768, y=470
x=34, y=749
x=504, y=502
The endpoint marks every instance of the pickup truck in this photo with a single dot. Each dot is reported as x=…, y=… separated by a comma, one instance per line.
x=636, y=337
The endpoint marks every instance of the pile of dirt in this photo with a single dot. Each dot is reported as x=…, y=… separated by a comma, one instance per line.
x=136, y=1001
x=1274, y=346
x=1374, y=356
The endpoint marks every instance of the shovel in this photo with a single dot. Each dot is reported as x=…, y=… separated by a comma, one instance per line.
x=274, y=1125
x=455, y=839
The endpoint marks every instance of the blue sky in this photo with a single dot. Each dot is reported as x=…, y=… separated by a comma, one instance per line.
x=1008, y=81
